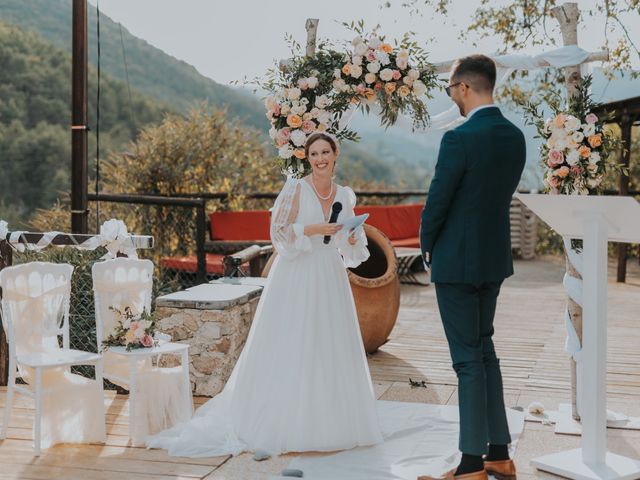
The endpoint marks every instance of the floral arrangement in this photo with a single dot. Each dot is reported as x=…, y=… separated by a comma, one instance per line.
x=311, y=94
x=132, y=331
x=576, y=145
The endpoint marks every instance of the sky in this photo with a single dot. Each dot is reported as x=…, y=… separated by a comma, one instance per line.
x=228, y=40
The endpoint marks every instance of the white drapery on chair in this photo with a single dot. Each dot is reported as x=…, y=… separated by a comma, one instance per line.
x=69, y=408
x=161, y=397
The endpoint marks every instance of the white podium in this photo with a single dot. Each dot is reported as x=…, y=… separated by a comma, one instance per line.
x=597, y=220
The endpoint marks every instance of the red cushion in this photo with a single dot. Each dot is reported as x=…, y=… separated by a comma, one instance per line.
x=398, y=222
x=407, y=242
x=242, y=226
x=190, y=263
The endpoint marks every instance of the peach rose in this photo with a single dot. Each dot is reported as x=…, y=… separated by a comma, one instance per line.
x=558, y=121
x=584, y=151
x=369, y=94
x=299, y=153
x=595, y=140
x=386, y=48
x=390, y=88
x=130, y=337
x=346, y=69
x=404, y=90
x=308, y=126
x=294, y=121
x=397, y=75
x=562, y=172
x=322, y=127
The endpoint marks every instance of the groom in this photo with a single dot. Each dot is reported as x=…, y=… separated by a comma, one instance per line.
x=465, y=240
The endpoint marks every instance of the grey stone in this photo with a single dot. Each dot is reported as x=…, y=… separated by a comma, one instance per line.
x=292, y=472
x=261, y=455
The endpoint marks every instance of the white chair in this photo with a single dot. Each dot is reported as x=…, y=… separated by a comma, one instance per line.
x=160, y=396
x=35, y=312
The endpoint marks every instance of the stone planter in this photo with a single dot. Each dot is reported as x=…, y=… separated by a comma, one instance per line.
x=214, y=319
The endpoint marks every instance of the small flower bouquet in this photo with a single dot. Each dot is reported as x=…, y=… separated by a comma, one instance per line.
x=576, y=146
x=131, y=330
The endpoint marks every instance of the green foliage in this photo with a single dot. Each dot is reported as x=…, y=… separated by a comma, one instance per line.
x=35, y=112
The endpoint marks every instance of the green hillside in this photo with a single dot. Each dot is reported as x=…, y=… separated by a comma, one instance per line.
x=35, y=113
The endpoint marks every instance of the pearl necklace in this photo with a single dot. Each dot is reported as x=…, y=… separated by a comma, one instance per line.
x=315, y=190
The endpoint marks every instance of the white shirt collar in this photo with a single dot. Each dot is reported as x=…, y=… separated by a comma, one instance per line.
x=489, y=105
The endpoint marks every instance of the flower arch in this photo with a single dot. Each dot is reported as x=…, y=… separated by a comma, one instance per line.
x=316, y=93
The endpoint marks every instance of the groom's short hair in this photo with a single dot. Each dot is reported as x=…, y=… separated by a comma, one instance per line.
x=478, y=71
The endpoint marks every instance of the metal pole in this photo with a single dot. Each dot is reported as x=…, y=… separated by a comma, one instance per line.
x=79, y=120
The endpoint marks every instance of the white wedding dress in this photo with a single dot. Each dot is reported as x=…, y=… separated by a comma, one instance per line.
x=302, y=381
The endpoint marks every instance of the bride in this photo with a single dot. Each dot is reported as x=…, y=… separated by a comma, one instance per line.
x=302, y=381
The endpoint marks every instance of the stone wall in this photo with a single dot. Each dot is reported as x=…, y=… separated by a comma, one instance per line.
x=215, y=337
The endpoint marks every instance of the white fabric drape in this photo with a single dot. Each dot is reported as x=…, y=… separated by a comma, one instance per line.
x=72, y=408
x=162, y=398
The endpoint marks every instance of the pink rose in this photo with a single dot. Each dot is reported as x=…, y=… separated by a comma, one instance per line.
x=360, y=89
x=308, y=126
x=371, y=55
x=555, y=157
x=133, y=326
x=554, y=182
x=576, y=170
x=147, y=341
x=397, y=75
x=276, y=110
x=591, y=118
x=283, y=137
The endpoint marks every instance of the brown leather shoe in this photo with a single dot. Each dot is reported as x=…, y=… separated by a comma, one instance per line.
x=481, y=475
x=501, y=469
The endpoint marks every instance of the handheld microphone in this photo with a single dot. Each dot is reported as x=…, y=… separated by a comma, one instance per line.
x=336, y=208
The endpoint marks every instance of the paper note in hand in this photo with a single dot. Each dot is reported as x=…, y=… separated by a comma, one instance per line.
x=352, y=223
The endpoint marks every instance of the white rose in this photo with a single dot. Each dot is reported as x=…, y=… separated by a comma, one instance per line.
x=298, y=138
x=361, y=49
x=589, y=129
x=356, y=71
x=386, y=74
x=303, y=83
x=315, y=111
x=324, y=117
x=373, y=67
x=299, y=110
x=313, y=82
x=356, y=60
x=573, y=157
x=285, y=109
x=382, y=57
x=594, y=158
x=413, y=74
x=273, y=133
x=304, y=101
x=402, y=63
x=370, y=77
x=337, y=73
x=407, y=80
x=375, y=42
x=577, y=136
x=571, y=124
x=322, y=101
x=357, y=41
x=294, y=93
x=419, y=88
x=270, y=103
x=403, y=53
x=285, y=151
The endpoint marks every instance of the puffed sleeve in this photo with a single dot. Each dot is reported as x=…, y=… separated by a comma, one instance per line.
x=352, y=255
x=288, y=237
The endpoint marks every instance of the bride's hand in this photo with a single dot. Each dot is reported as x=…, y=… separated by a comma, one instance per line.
x=322, y=229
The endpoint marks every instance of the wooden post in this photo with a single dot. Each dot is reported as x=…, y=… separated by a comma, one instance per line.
x=311, y=26
x=567, y=16
x=625, y=157
x=79, y=121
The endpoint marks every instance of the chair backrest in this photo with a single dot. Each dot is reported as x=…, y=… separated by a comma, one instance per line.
x=246, y=225
x=120, y=283
x=35, y=306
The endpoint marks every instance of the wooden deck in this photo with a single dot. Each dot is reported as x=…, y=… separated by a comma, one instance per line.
x=529, y=339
